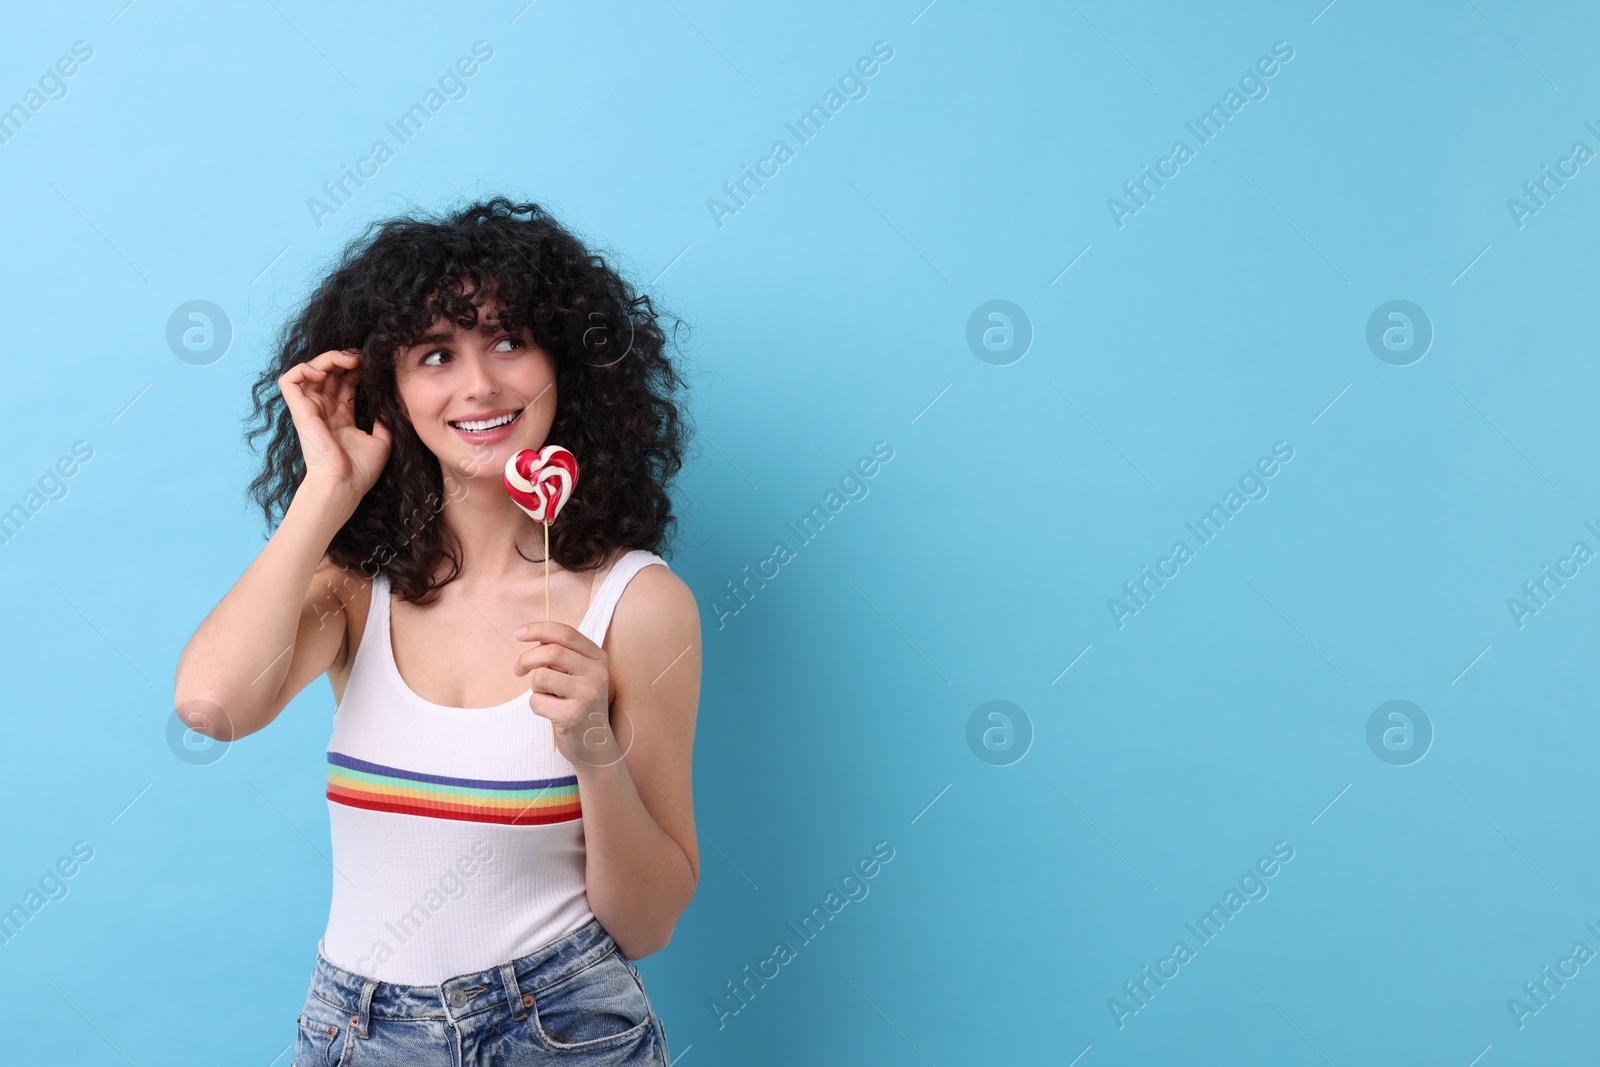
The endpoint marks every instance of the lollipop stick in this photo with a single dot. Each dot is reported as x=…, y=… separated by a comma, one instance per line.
x=546, y=526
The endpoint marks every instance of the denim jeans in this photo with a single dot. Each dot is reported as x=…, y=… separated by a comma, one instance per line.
x=577, y=1000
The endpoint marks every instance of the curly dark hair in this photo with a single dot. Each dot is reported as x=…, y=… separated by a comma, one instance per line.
x=615, y=385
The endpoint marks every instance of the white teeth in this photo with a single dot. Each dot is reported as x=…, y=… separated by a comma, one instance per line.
x=487, y=424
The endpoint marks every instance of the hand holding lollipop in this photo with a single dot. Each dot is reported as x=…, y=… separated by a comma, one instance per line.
x=540, y=483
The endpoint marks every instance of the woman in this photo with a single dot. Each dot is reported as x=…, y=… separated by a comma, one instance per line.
x=509, y=797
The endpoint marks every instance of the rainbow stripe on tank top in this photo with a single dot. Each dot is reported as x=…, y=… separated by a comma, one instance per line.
x=361, y=784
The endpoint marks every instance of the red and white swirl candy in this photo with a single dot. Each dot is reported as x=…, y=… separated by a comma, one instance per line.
x=541, y=482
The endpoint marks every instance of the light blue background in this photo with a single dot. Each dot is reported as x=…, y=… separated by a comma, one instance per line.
x=828, y=314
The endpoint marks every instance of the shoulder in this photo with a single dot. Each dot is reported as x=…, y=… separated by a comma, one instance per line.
x=656, y=608
x=653, y=643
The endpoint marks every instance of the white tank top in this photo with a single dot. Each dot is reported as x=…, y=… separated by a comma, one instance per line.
x=457, y=832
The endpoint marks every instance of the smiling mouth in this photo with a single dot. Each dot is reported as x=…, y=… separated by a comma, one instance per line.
x=488, y=425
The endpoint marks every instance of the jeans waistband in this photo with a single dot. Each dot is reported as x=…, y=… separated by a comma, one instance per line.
x=510, y=985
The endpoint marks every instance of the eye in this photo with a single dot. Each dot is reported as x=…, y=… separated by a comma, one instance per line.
x=515, y=342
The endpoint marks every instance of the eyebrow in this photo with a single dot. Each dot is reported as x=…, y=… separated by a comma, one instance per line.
x=485, y=328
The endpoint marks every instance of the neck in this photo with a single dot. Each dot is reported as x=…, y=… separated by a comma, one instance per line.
x=491, y=529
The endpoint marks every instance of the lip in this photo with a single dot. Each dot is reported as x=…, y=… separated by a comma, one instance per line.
x=490, y=437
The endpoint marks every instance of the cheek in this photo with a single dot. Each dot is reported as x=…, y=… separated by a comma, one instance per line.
x=541, y=372
x=422, y=400
x=536, y=379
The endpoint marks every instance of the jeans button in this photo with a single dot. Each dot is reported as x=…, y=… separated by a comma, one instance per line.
x=458, y=999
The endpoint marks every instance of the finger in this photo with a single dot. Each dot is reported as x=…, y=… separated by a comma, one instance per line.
x=339, y=400
x=296, y=373
x=314, y=384
x=326, y=370
x=293, y=386
x=559, y=633
x=309, y=374
x=542, y=705
x=553, y=655
x=550, y=707
x=341, y=375
x=345, y=363
x=553, y=683
x=334, y=357
x=349, y=382
x=306, y=414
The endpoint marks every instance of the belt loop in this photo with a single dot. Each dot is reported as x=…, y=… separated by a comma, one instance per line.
x=514, y=997
x=361, y=1022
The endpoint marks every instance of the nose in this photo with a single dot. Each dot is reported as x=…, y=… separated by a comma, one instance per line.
x=479, y=378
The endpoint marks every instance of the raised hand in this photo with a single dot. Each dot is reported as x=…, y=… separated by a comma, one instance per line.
x=321, y=394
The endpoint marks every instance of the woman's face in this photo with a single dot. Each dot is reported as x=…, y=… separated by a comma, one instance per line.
x=482, y=378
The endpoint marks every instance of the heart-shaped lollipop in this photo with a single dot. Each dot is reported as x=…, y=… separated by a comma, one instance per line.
x=541, y=482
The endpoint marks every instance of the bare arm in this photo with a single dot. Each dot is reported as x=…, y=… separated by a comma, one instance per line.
x=269, y=637
x=642, y=861
x=279, y=627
